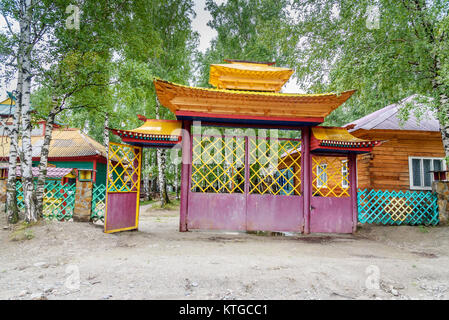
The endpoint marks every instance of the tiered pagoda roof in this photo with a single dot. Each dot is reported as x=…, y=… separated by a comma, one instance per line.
x=247, y=75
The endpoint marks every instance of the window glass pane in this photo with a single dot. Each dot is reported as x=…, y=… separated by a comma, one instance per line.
x=427, y=173
x=416, y=172
x=437, y=165
x=321, y=175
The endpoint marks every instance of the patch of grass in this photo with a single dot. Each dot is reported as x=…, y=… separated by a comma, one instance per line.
x=174, y=204
x=143, y=203
x=22, y=231
x=423, y=229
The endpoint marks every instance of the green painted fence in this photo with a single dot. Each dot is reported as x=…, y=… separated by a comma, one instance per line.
x=59, y=200
x=397, y=207
x=98, y=202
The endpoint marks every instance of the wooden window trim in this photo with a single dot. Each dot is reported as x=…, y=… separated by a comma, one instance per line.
x=344, y=182
x=410, y=171
x=322, y=166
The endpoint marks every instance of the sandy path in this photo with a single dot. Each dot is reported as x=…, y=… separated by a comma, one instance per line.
x=158, y=262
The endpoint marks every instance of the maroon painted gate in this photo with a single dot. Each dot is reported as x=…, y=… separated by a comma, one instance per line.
x=122, y=187
x=246, y=183
x=332, y=201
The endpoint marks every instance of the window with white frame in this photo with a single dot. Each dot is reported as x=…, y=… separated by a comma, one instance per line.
x=344, y=174
x=321, y=173
x=420, y=169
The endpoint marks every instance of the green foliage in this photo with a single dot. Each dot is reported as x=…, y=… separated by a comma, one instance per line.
x=245, y=31
x=385, y=64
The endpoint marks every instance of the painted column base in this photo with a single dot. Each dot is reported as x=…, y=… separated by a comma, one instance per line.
x=83, y=201
x=3, y=190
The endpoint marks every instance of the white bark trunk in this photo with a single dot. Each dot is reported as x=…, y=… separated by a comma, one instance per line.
x=444, y=127
x=106, y=132
x=27, y=175
x=12, y=212
x=176, y=182
x=40, y=186
x=161, y=157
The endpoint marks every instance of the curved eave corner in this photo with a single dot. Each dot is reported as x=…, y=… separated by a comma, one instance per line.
x=339, y=140
x=153, y=133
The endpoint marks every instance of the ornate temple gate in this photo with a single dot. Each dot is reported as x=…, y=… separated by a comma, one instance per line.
x=245, y=183
x=122, y=187
x=300, y=182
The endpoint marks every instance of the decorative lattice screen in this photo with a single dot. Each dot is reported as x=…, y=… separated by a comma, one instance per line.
x=397, y=207
x=330, y=176
x=275, y=166
x=218, y=164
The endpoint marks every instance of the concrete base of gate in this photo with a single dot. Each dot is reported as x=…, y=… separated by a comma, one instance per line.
x=83, y=201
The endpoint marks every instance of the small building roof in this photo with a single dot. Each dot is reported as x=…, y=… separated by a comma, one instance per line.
x=52, y=172
x=388, y=118
x=335, y=139
x=66, y=143
x=6, y=110
x=153, y=133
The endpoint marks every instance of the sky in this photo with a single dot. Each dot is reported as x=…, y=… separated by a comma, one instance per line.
x=199, y=24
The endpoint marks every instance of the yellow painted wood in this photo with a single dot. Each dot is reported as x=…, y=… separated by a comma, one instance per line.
x=159, y=127
x=178, y=97
x=248, y=76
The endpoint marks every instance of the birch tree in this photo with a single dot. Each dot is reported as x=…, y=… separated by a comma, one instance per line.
x=26, y=23
x=387, y=50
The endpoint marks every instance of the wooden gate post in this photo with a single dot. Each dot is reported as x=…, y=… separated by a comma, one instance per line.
x=353, y=186
x=185, y=173
x=307, y=183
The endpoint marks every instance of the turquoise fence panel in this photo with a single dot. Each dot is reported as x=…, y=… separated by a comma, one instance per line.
x=19, y=195
x=98, y=202
x=397, y=207
x=59, y=200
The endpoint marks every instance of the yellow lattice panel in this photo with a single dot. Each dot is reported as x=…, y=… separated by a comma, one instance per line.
x=218, y=164
x=330, y=176
x=123, y=168
x=398, y=209
x=275, y=166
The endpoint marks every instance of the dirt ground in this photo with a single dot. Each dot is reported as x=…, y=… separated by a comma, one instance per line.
x=158, y=262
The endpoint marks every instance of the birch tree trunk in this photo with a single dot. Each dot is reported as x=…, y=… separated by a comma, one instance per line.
x=27, y=174
x=443, y=107
x=40, y=185
x=106, y=132
x=176, y=182
x=444, y=127
x=161, y=166
x=12, y=212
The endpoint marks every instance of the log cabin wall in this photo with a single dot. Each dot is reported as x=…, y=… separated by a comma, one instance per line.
x=387, y=167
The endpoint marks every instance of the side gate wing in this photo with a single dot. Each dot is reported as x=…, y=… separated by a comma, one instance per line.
x=122, y=187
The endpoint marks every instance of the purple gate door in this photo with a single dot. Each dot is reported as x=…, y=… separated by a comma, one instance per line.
x=274, y=199
x=331, y=203
x=217, y=197
x=245, y=183
x=122, y=188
